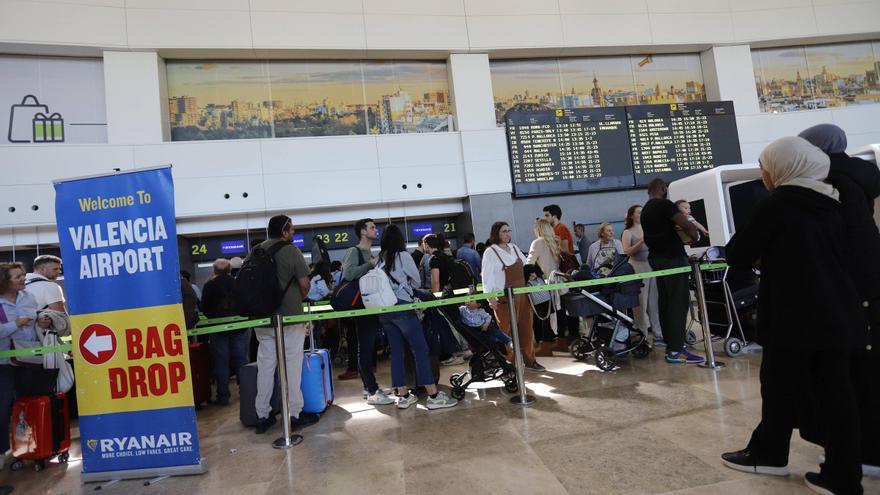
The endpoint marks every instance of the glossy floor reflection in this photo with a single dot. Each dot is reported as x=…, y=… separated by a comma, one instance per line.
x=648, y=427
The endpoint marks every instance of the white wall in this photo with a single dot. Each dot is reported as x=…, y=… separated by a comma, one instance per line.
x=136, y=98
x=260, y=26
x=325, y=180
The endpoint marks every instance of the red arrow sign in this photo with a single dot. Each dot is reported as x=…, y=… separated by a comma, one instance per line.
x=97, y=344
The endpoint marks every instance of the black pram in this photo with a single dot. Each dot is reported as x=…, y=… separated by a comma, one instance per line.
x=607, y=305
x=488, y=361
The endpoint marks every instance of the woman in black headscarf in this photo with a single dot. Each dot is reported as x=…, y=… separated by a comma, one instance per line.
x=858, y=183
x=808, y=317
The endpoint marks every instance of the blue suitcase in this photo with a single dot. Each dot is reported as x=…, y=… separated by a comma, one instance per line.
x=317, y=378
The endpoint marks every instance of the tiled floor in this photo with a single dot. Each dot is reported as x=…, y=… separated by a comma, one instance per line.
x=647, y=428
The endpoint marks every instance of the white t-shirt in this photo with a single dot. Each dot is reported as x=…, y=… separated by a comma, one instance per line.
x=45, y=291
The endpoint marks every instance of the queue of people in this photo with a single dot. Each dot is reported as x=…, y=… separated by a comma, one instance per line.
x=820, y=370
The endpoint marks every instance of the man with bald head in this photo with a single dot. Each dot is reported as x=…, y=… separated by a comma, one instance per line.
x=228, y=349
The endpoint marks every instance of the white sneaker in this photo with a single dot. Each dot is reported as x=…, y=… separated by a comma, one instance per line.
x=466, y=354
x=453, y=361
x=380, y=398
x=405, y=402
x=442, y=401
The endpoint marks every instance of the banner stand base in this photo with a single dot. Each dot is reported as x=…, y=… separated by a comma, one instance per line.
x=132, y=474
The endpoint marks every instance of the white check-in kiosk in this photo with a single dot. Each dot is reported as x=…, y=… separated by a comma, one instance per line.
x=722, y=198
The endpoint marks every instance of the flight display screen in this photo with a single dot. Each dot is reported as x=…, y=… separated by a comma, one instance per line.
x=572, y=150
x=575, y=149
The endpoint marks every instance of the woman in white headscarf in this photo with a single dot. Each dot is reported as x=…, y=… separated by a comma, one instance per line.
x=808, y=316
x=858, y=182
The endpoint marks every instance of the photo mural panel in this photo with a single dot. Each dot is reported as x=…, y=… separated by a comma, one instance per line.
x=798, y=78
x=219, y=100
x=235, y=100
x=582, y=82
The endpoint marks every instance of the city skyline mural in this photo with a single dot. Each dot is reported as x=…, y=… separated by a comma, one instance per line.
x=595, y=82
x=821, y=76
x=240, y=100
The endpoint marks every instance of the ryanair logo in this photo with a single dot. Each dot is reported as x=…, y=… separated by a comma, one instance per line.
x=140, y=445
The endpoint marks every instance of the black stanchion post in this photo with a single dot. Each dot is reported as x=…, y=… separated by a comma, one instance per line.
x=522, y=399
x=288, y=440
x=710, y=363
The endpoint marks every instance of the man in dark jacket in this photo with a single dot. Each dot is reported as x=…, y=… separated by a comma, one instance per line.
x=228, y=349
x=858, y=183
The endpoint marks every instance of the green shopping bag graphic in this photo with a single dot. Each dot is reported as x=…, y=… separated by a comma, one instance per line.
x=48, y=129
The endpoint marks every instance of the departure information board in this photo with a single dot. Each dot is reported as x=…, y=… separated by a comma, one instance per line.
x=576, y=149
x=676, y=140
x=592, y=149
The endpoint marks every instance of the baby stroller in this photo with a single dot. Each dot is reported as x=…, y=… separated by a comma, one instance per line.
x=488, y=361
x=607, y=305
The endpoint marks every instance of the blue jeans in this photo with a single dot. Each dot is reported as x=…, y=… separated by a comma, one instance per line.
x=497, y=335
x=227, y=349
x=405, y=325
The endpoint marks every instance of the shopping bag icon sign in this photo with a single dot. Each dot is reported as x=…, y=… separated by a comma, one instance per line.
x=48, y=129
x=21, y=117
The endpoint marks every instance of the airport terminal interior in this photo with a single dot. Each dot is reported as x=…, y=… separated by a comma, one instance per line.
x=152, y=146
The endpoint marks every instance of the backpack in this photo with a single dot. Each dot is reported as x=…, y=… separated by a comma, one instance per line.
x=461, y=275
x=347, y=294
x=376, y=290
x=256, y=289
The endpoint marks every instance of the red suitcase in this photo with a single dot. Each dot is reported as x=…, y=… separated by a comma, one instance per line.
x=200, y=371
x=40, y=430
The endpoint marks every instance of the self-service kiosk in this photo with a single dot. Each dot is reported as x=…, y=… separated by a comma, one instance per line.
x=722, y=198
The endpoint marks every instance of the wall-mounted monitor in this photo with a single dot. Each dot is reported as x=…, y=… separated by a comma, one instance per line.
x=574, y=150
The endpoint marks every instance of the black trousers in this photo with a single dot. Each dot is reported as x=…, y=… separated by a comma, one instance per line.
x=674, y=298
x=351, y=341
x=541, y=328
x=787, y=377
x=7, y=398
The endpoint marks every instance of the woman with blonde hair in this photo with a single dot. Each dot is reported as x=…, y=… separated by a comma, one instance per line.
x=544, y=253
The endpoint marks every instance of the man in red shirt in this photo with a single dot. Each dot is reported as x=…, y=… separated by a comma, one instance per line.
x=553, y=214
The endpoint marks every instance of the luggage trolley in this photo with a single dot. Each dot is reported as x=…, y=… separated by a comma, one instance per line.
x=731, y=297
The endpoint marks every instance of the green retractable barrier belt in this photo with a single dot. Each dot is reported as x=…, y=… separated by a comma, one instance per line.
x=323, y=311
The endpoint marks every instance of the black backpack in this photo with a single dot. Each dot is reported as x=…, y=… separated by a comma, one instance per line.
x=461, y=275
x=256, y=289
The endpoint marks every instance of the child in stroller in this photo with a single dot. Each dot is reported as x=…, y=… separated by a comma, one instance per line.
x=612, y=334
x=490, y=347
x=475, y=317
x=488, y=361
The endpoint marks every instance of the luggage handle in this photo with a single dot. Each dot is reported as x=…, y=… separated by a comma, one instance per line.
x=311, y=327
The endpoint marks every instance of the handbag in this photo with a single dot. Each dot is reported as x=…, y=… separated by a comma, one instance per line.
x=347, y=295
x=567, y=262
x=538, y=297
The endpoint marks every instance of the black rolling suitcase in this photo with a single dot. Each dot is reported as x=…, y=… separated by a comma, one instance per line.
x=247, y=387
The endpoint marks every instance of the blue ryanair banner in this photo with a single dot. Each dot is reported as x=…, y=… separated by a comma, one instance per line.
x=119, y=245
